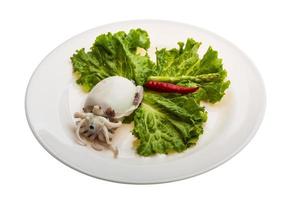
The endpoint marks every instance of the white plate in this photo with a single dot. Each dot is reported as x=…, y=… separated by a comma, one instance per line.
x=52, y=97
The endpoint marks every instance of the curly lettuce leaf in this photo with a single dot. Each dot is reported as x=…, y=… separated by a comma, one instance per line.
x=167, y=123
x=207, y=73
x=176, y=62
x=114, y=54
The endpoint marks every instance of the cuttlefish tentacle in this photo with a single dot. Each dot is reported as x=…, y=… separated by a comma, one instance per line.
x=97, y=111
x=109, y=124
x=79, y=139
x=79, y=115
x=106, y=134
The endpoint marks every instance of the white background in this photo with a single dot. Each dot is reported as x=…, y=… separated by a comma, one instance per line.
x=29, y=30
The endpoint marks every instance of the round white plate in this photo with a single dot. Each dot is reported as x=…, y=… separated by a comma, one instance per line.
x=52, y=97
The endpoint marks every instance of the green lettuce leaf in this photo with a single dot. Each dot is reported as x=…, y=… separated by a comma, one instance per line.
x=166, y=124
x=184, y=63
x=176, y=62
x=114, y=54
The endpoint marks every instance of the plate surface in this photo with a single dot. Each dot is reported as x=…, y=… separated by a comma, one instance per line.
x=52, y=97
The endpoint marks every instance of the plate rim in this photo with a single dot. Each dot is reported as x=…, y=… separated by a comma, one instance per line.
x=252, y=133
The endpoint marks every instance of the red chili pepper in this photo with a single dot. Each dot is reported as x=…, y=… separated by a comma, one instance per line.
x=169, y=87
